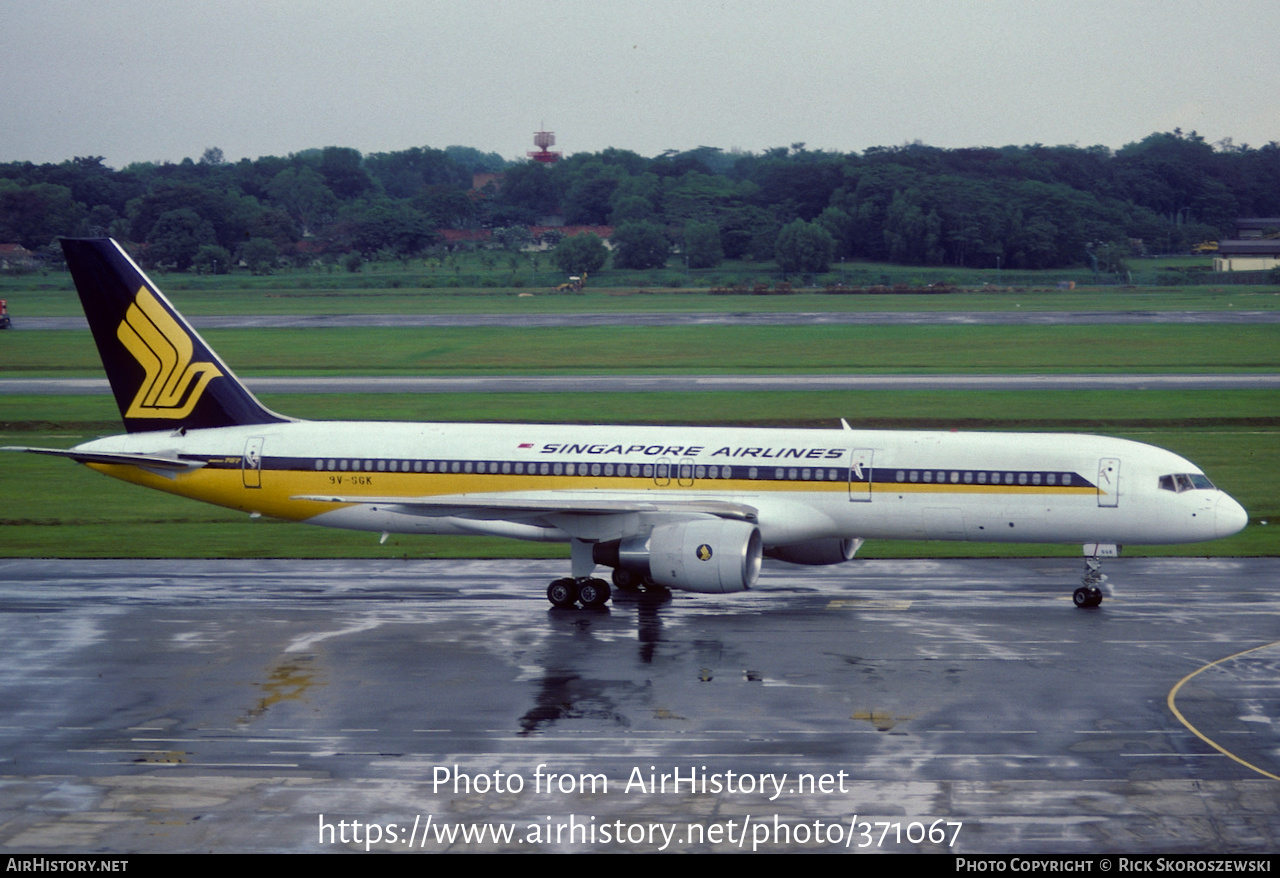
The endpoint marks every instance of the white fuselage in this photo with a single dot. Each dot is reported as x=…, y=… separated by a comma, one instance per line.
x=803, y=484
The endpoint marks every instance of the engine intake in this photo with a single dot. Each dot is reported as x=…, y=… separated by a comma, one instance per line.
x=713, y=556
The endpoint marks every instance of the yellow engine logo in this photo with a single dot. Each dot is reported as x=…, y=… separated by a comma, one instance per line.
x=704, y=552
x=173, y=384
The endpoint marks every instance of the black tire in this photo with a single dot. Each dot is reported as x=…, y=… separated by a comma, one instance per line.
x=563, y=593
x=626, y=580
x=1081, y=597
x=594, y=593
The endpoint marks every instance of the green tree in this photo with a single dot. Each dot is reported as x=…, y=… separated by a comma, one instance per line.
x=749, y=232
x=804, y=247
x=176, y=238
x=904, y=228
x=211, y=205
x=841, y=226
x=342, y=169
x=445, y=207
x=260, y=255
x=35, y=215
x=588, y=199
x=702, y=247
x=640, y=244
x=303, y=193
x=211, y=259
x=528, y=192
x=389, y=224
x=580, y=253
x=512, y=238
x=630, y=207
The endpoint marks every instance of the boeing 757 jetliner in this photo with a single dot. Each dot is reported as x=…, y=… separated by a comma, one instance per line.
x=675, y=507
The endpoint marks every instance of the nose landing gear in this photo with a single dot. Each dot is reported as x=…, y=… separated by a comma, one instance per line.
x=1088, y=594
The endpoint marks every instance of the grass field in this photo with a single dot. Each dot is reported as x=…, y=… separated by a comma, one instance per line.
x=673, y=350
x=415, y=287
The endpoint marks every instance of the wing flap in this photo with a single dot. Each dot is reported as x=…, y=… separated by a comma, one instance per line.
x=508, y=506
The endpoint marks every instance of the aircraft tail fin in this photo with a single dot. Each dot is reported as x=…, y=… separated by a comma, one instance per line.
x=162, y=373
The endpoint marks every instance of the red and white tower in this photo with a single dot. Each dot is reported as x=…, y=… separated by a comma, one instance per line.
x=542, y=140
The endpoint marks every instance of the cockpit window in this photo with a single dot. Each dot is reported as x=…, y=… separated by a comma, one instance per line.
x=1180, y=482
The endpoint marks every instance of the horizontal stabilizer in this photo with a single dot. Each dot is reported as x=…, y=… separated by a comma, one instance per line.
x=150, y=461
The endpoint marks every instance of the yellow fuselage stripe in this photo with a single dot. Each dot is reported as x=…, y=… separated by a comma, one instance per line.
x=226, y=487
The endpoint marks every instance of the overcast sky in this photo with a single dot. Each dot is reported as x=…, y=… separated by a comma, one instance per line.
x=154, y=80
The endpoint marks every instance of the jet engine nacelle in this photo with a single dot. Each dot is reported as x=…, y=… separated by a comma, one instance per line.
x=712, y=556
x=817, y=553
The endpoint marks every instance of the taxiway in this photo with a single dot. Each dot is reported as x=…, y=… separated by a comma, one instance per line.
x=237, y=705
x=700, y=318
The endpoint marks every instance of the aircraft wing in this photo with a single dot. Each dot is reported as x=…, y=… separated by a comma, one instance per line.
x=506, y=506
x=148, y=461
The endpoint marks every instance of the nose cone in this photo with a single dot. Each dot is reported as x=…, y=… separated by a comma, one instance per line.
x=1229, y=517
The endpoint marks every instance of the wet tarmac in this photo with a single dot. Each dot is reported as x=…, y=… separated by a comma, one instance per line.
x=961, y=706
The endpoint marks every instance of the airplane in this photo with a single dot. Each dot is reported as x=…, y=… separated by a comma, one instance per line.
x=667, y=507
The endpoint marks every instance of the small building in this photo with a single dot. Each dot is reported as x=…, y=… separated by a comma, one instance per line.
x=1257, y=227
x=1255, y=247
x=543, y=241
x=1252, y=254
x=15, y=257
x=454, y=237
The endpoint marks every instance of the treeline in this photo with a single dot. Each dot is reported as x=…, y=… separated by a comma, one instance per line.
x=1016, y=206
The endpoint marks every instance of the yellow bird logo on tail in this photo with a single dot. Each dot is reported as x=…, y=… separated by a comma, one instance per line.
x=173, y=384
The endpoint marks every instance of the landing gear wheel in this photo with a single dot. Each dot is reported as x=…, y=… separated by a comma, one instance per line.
x=594, y=593
x=1087, y=596
x=563, y=593
x=627, y=580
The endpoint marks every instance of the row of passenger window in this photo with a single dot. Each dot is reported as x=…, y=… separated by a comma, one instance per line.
x=681, y=472
x=969, y=477
x=519, y=468
x=685, y=472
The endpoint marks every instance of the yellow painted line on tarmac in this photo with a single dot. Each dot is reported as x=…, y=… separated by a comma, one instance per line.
x=1173, y=694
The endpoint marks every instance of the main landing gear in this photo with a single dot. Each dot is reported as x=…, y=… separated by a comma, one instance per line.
x=592, y=593
x=639, y=585
x=1088, y=594
x=583, y=589
x=580, y=588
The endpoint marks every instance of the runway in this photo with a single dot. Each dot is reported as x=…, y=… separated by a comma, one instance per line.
x=960, y=706
x=697, y=318
x=690, y=383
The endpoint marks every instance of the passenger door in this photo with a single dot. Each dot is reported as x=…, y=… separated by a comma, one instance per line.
x=251, y=463
x=860, y=472
x=1109, y=481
